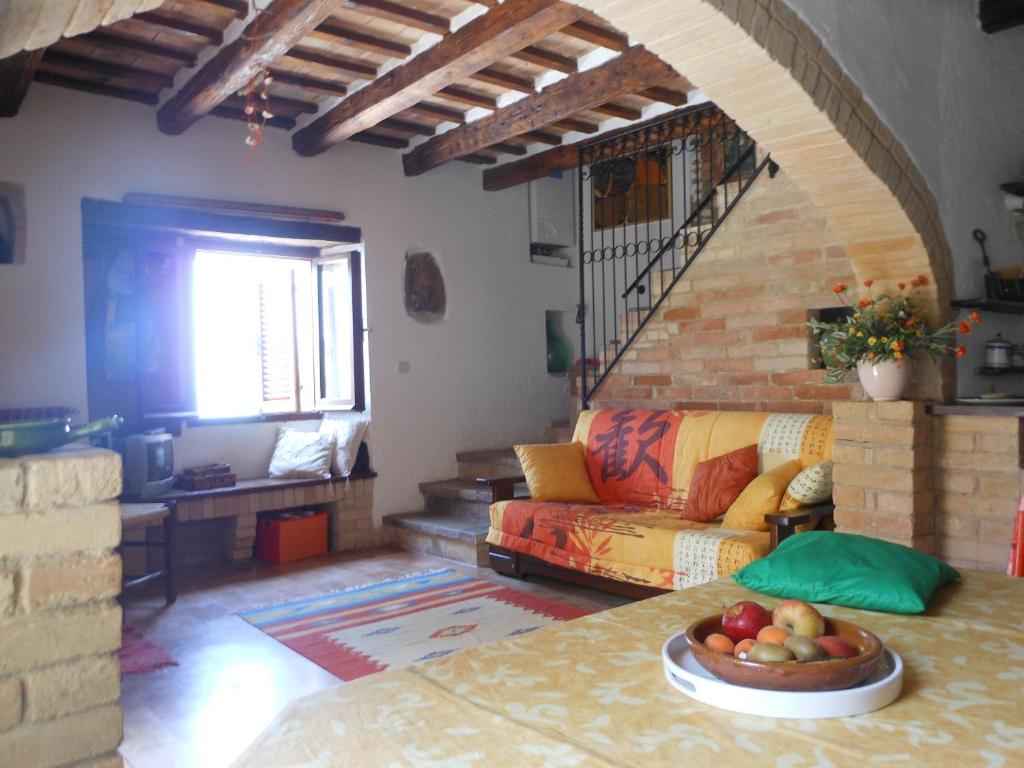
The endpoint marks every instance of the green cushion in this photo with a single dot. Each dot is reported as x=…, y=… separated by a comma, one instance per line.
x=844, y=569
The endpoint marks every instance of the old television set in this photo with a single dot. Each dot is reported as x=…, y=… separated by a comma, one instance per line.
x=148, y=464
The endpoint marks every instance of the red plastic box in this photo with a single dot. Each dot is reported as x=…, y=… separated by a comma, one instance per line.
x=287, y=537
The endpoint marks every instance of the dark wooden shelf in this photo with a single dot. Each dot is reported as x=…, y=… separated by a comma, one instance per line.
x=986, y=371
x=991, y=305
x=966, y=409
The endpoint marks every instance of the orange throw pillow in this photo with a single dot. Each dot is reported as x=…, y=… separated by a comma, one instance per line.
x=718, y=482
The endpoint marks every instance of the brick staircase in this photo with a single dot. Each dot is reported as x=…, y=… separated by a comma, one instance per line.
x=454, y=521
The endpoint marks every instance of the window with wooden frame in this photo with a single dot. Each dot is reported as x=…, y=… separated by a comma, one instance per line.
x=182, y=323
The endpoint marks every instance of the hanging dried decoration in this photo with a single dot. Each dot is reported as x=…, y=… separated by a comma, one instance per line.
x=257, y=94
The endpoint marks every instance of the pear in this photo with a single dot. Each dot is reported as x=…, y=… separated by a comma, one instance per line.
x=769, y=652
x=803, y=648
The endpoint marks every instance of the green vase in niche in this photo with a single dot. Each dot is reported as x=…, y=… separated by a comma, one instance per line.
x=559, y=350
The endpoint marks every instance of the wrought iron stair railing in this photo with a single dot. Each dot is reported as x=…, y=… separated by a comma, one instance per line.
x=650, y=201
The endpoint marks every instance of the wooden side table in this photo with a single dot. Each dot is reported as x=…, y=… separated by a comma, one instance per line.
x=143, y=515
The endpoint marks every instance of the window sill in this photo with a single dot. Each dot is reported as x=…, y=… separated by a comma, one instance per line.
x=196, y=421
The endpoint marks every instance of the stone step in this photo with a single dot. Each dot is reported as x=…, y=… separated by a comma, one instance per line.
x=456, y=488
x=501, y=462
x=453, y=536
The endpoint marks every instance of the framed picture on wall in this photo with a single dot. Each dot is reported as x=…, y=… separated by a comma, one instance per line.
x=12, y=223
x=635, y=189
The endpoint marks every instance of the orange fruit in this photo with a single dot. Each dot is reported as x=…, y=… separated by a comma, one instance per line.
x=773, y=635
x=719, y=643
x=743, y=646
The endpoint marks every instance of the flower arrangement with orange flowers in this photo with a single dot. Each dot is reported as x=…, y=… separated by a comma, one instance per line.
x=886, y=327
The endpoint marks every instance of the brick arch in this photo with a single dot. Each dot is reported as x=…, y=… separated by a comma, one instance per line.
x=769, y=71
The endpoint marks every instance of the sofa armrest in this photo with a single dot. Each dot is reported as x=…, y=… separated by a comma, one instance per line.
x=502, y=488
x=783, y=524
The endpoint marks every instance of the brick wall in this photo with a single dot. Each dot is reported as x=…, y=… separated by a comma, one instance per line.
x=977, y=486
x=883, y=473
x=943, y=484
x=732, y=333
x=60, y=625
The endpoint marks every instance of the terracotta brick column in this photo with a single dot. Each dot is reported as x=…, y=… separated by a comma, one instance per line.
x=60, y=625
x=978, y=487
x=883, y=472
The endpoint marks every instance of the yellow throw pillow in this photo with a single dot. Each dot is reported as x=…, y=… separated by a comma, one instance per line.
x=812, y=486
x=762, y=497
x=557, y=472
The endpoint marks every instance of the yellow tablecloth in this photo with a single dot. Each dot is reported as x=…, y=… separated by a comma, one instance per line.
x=591, y=692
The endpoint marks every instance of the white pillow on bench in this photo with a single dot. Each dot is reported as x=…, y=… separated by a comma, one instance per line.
x=347, y=434
x=302, y=455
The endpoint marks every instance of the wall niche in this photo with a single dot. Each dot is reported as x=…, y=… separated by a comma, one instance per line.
x=425, y=299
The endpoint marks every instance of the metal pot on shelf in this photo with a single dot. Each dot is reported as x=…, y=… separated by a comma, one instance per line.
x=997, y=352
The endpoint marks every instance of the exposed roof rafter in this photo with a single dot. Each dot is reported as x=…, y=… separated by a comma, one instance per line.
x=277, y=28
x=484, y=40
x=630, y=72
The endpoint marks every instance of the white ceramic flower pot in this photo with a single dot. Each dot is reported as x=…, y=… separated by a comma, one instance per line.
x=886, y=380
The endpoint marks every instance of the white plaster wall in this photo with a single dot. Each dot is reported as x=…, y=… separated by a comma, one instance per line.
x=954, y=96
x=477, y=380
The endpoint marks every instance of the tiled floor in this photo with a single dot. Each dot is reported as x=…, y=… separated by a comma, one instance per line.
x=232, y=679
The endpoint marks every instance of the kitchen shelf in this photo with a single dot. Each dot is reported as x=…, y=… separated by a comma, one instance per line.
x=991, y=305
x=986, y=371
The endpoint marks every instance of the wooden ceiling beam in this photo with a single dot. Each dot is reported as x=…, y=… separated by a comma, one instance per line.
x=406, y=126
x=503, y=79
x=240, y=8
x=587, y=30
x=309, y=83
x=400, y=14
x=363, y=40
x=212, y=35
x=544, y=137
x=576, y=124
x=359, y=68
x=548, y=59
x=479, y=158
x=102, y=89
x=632, y=71
x=566, y=156
x=380, y=140
x=276, y=29
x=478, y=44
x=438, y=112
x=666, y=95
x=615, y=109
x=16, y=73
x=122, y=43
x=154, y=80
x=469, y=96
x=508, y=148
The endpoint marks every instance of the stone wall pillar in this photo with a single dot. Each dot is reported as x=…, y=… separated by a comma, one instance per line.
x=352, y=524
x=60, y=624
x=883, y=473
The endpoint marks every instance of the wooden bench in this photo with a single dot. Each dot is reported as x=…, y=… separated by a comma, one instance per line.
x=138, y=517
x=350, y=499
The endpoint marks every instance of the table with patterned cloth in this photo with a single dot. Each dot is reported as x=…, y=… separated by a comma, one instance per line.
x=591, y=692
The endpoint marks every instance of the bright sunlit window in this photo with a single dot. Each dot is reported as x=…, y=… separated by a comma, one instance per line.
x=274, y=335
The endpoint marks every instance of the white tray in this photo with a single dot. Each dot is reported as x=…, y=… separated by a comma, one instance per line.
x=685, y=673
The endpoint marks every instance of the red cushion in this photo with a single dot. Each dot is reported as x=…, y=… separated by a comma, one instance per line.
x=717, y=482
x=629, y=455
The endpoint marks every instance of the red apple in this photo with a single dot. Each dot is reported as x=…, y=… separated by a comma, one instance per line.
x=798, y=618
x=835, y=647
x=744, y=620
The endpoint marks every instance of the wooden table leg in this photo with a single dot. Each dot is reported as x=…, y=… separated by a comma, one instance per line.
x=170, y=546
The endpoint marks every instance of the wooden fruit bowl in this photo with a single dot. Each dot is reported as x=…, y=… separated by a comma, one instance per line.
x=825, y=675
